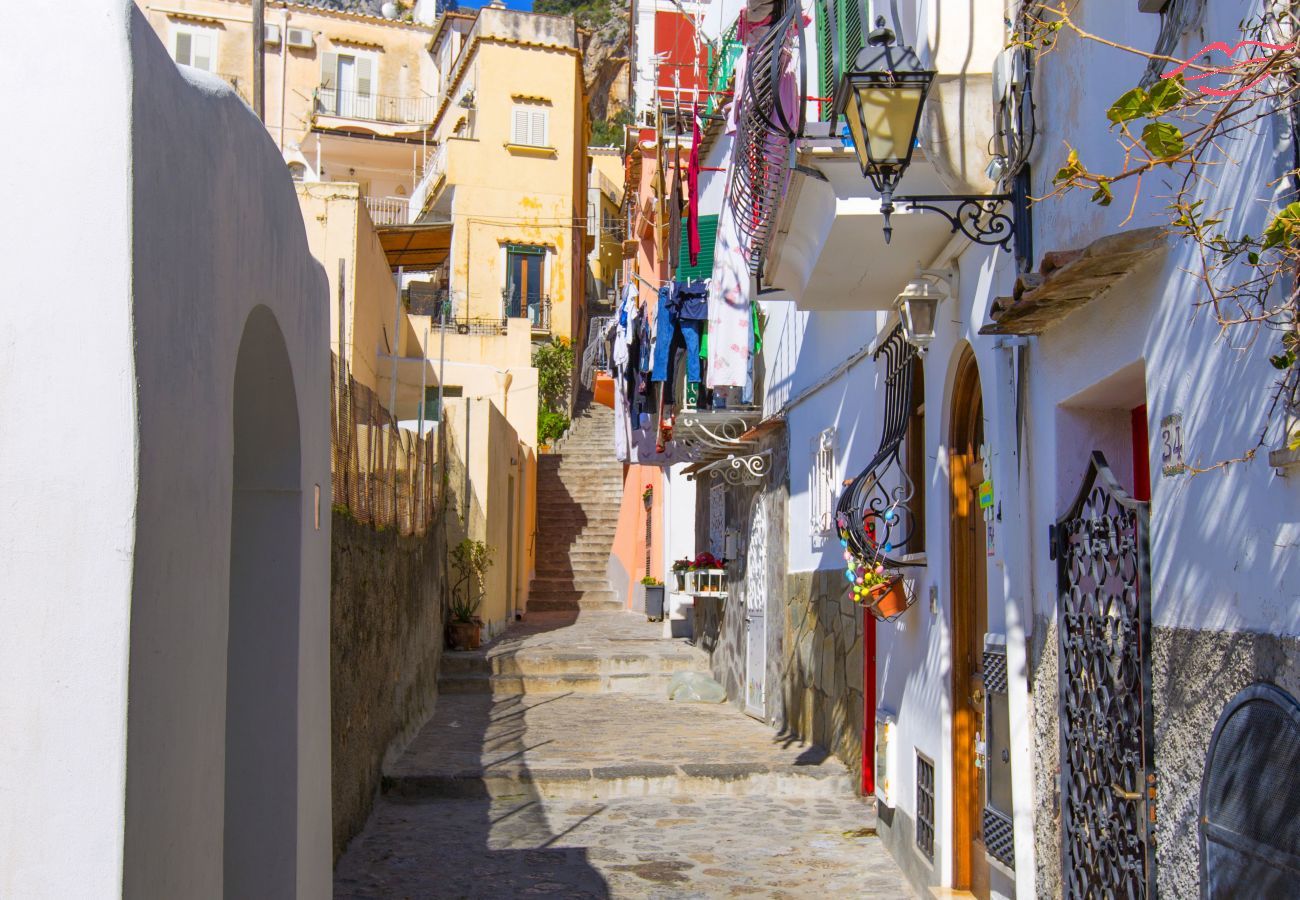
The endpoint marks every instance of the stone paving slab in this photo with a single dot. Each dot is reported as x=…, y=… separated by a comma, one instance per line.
x=670, y=848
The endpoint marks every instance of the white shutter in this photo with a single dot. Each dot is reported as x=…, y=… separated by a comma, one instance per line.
x=519, y=126
x=329, y=68
x=537, y=136
x=365, y=75
x=183, y=49
x=203, y=47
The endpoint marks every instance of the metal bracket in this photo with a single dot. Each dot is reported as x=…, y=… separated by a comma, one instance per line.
x=979, y=217
x=749, y=468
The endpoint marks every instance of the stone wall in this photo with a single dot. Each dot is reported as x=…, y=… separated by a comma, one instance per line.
x=386, y=640
x=822, y=665
x=1194, y=674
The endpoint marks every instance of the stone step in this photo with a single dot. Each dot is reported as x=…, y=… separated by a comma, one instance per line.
x=623, y=667
x=570, y=594
x=564, y=583
x=552, y=604
x=634, y=779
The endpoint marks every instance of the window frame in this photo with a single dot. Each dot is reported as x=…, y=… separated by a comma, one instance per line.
x=531, y=110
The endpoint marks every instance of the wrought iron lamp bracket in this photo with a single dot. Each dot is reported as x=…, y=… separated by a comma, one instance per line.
x=980, y=217
x=734, y=469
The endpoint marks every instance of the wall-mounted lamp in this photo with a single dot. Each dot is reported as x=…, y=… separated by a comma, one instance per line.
x=882, y=96
x=918, y=305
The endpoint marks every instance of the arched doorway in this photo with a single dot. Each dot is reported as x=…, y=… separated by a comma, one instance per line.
x=261, y=768
x=969, y=623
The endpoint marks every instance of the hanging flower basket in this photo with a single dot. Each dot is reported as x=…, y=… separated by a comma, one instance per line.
x=888, y=601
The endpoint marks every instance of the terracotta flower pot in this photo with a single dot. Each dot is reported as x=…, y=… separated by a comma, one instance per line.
x=464, y=635
x=888, y=600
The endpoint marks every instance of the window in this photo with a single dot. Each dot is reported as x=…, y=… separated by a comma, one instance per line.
x=530, y=126
x=347, y=85
x=703, y=268
x=524, y=277
x=915, y=460
x=925, y=806
x=429, y=410
x=194, y=46
x=822, y=487
x=297, y=171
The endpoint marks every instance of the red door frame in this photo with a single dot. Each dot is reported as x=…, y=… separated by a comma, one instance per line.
x=868, y=704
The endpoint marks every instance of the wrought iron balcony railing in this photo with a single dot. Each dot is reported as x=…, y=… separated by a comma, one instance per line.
x=374, y=107
x=872, y=516
x=537, y=310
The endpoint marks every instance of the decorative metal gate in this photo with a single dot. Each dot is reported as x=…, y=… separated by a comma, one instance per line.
x=1108, y=782
x=756, y=612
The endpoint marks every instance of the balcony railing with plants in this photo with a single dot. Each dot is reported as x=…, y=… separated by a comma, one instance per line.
x=389, y=210
x=374, y=107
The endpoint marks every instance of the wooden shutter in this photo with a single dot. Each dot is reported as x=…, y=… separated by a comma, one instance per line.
x=703, y=267
x=827, y=76
x=365, y=75
x=184, y=48
x=204, y=45
x=850, y=31
x=329, y=70
x=519, y=126
x=538, y=135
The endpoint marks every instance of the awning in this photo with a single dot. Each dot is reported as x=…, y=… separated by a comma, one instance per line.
x=416, y=248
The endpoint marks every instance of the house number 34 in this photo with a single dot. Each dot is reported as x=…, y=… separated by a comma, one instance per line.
x=1171, y=445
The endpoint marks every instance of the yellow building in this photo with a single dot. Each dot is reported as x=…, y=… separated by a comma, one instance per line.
x=508, y=169
x=348, y=95
x=605, y=222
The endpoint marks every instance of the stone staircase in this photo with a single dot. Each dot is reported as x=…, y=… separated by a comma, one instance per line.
x=579, y=490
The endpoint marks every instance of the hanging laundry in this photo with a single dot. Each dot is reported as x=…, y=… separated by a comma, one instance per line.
x=693, y=189
x=729, y=305
x=675, y=215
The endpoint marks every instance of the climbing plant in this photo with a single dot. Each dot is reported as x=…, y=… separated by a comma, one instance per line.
x=1188, y=118
x=554, y=363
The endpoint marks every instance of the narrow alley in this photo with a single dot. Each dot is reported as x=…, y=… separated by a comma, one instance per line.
x=556, y=765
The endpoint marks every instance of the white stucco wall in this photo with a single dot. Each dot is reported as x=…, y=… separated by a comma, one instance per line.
x=68, y=478
x=179, y=225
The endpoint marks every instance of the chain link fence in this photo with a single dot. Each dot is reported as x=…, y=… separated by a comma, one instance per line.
x=383, y=475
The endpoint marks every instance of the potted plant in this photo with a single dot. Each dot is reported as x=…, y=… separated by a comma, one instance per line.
x=470, y=559
x=654, y=598
x=680, y=569
x=648, y=496
x=880, y=590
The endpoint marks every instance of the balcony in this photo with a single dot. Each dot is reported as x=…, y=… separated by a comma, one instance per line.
x=369, y=107
x=537, y=311
x=389, y=210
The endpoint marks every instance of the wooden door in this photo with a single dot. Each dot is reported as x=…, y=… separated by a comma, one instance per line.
x=969, y=623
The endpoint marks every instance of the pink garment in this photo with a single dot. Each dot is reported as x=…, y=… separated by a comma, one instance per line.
x=738, y=90
x=693, y=187
x=729, y=322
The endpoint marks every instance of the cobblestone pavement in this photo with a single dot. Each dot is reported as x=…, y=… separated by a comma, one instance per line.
x=611, y=795
x=674, y=847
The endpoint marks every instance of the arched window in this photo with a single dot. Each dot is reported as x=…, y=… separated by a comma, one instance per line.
x=297, y=171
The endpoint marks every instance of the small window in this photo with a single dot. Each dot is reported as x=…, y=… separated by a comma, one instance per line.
x=925, y=807
x=822, y=487
x=194, y=47
x=530, y=126
x=430, y=411
x=297, y=171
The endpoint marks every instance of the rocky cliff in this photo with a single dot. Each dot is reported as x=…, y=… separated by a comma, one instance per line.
x=605, y=58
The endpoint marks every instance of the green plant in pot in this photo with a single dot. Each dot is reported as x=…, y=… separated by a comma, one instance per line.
x=470, y=560
x=654, y=598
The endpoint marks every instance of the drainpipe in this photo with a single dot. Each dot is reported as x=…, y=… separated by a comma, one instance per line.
x=284, y=69
x=1015, y=558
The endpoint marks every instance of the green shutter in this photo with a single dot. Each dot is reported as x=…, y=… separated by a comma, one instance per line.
x=825, y=58
x=704, y=265
x=850, y=30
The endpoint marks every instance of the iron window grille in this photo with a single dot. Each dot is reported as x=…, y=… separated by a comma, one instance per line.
x=925, y=806
x=821, y=485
